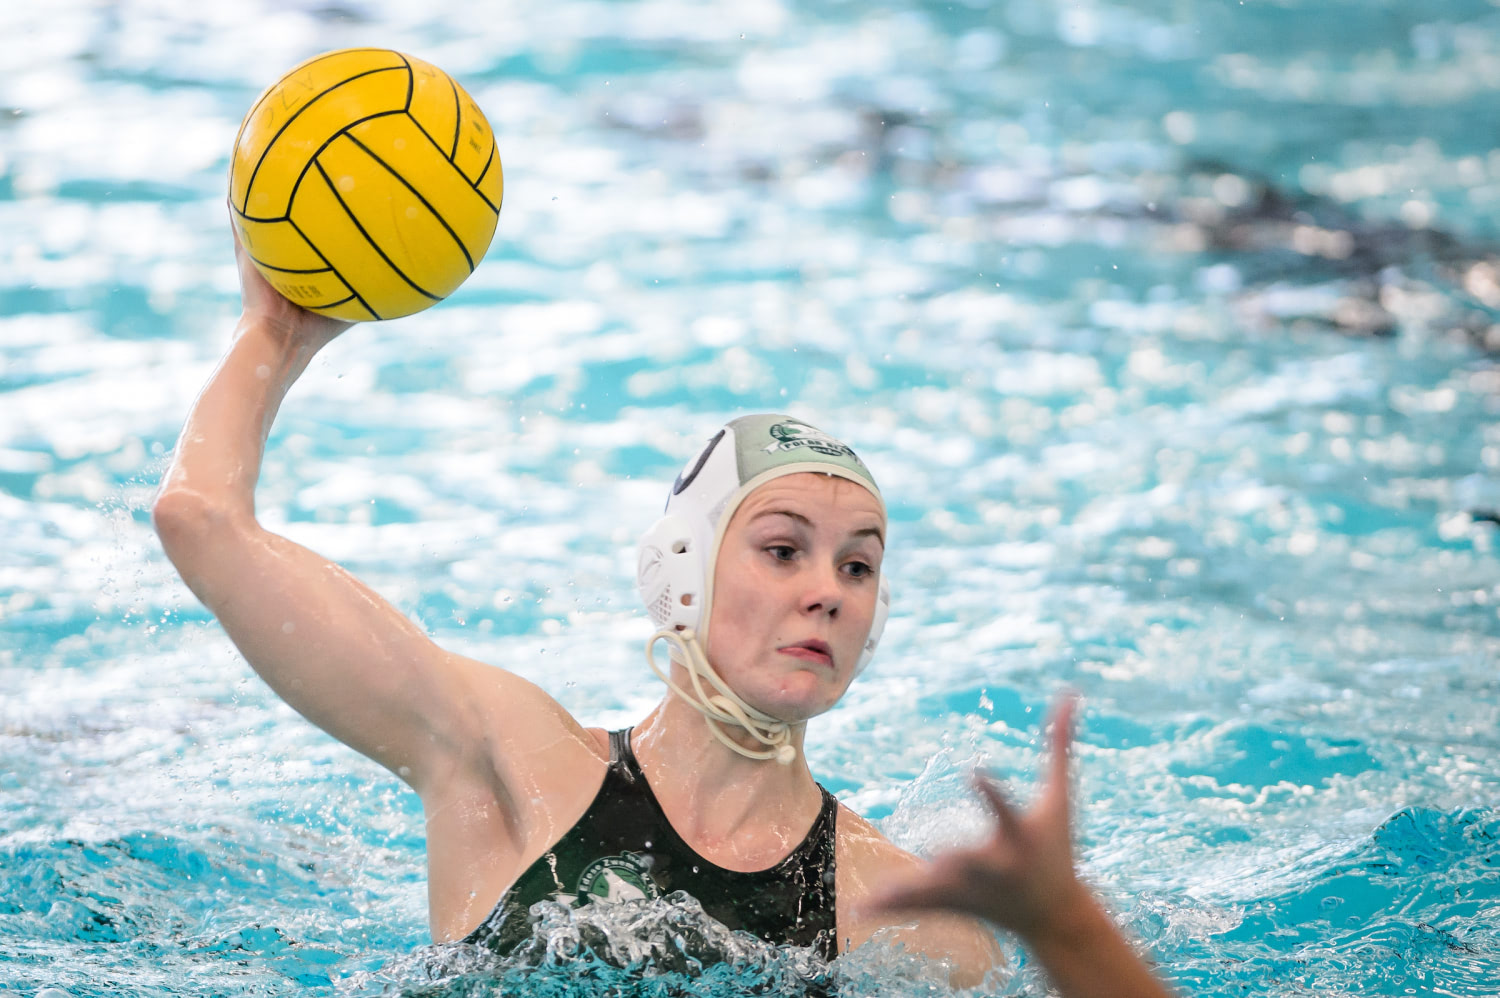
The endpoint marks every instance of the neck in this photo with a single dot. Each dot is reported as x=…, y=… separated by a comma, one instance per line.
x=714, y=795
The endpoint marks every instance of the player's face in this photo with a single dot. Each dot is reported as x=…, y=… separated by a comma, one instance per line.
x=794, y=593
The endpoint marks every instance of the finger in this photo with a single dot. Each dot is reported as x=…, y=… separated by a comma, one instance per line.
x=1061, y=743
x=1061, y=739
x=250, y=278
x=994, y=796
x=241, y=255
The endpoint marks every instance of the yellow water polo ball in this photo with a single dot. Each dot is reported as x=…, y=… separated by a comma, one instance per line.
x=365, y=184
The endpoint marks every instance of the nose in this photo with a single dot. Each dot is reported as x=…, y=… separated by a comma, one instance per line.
x=822, y=593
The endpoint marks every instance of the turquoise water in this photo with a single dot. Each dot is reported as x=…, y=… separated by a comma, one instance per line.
x=1166, y=326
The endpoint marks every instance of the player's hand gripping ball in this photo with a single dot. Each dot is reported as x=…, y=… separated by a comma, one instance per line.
x=365, y=184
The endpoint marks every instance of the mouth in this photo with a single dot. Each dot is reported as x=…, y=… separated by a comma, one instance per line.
x=812, y=651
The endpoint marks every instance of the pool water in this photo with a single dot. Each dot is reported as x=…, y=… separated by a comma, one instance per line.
x=1170, y=330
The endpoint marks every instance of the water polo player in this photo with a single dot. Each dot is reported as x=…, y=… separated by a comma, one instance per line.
x=764, y=578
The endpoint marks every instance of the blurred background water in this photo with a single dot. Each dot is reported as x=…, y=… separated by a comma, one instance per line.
x=1169, y=327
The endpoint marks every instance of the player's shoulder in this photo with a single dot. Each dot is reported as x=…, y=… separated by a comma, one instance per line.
x=864, y=851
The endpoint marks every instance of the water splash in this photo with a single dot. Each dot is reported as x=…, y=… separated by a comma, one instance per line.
x=664, y=946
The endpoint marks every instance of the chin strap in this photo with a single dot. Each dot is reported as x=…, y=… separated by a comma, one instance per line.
x=725, y=706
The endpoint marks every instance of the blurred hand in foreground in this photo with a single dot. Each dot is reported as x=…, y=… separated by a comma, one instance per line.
x=1023, y=878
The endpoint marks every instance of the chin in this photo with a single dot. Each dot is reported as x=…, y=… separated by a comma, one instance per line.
x=797, y=698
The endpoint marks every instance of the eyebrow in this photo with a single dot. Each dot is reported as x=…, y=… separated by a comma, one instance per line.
x=874, y=532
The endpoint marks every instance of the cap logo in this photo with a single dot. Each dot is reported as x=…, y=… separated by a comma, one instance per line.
x=794, y=436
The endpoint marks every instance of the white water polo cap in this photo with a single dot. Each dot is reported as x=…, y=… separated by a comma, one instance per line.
x=675, y=567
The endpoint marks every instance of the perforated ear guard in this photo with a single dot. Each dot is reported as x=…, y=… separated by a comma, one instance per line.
x=670, y=572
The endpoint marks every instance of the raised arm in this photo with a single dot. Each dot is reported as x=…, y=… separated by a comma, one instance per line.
x=1023, y=879
x=328, y=645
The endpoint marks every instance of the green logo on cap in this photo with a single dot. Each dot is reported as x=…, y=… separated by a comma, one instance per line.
x=793, y=436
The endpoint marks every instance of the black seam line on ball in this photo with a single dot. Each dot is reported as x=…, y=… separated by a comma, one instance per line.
x=336, y=273
x=425, y=203
x=272, y=89
x=374, y=245
x=292, y=270
x=250, y=184
x=488, y=160
x=411, y=83
x=428, y=135
x=458, y=118
x=341, y=301
x=484, y=173
x=314, y=157
x=328, y=267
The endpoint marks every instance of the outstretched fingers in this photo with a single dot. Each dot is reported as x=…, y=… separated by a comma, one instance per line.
x=1023, y=877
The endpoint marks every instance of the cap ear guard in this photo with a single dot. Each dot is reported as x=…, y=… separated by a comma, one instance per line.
x=669, y=573
x=877, y=624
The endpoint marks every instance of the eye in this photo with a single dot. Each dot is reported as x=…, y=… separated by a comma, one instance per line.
x=859, y=569
x=782, y=552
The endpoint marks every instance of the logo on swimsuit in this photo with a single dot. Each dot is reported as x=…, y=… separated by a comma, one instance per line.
x=626, y=877
x=790, y=436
